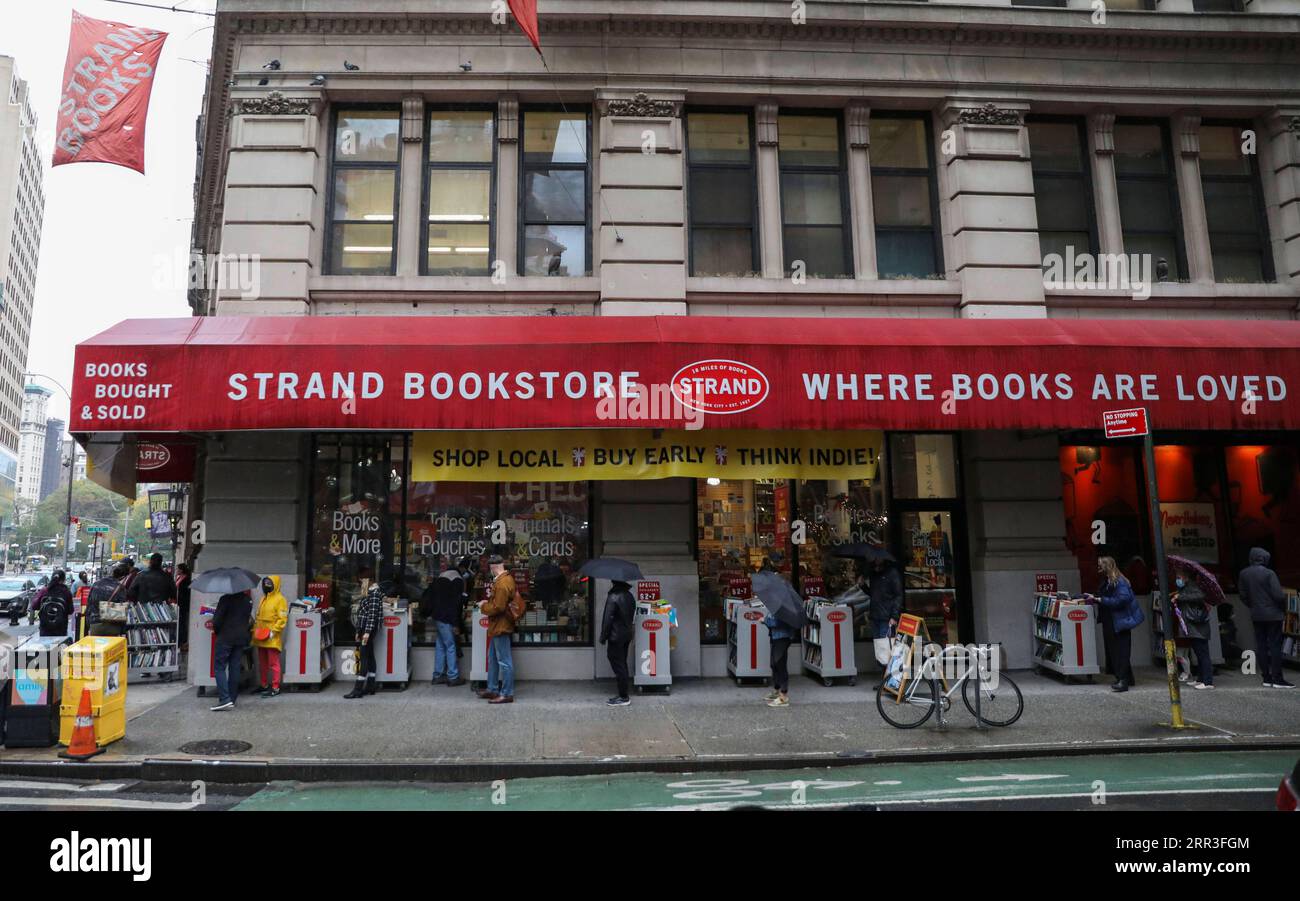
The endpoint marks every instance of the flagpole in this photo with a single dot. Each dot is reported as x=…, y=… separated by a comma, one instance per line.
x=170, y=9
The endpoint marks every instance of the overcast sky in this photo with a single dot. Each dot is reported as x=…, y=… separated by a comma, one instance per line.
x=115, y=243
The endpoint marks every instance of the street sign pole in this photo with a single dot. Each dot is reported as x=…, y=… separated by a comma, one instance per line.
x=1162, y=571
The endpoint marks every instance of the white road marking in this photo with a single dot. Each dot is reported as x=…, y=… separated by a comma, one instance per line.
x=1011, y=777
x=56, y=786
x=111, y=803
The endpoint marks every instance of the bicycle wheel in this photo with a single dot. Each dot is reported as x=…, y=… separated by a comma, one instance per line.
x=1000, y=704
x=916, y=707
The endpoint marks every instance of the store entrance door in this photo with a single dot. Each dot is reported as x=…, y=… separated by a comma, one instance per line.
x=930, y=541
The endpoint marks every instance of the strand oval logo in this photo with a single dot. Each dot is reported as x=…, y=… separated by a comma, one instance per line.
x=720, y=386
x=153, y=456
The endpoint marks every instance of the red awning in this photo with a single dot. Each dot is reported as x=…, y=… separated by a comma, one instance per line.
x=431, y=372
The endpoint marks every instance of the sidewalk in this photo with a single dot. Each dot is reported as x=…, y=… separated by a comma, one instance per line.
x=444, y=734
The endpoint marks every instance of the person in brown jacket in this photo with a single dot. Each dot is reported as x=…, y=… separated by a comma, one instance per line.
x=501, y=626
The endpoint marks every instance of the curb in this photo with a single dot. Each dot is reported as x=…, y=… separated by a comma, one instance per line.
x=233, y=771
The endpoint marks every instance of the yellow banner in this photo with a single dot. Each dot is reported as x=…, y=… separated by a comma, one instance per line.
x=563, y=455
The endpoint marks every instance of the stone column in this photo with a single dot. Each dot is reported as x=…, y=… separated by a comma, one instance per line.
x=862, y=215
x=1017, y=529
x=769, y=191
x=992, y=221
x=641, y=211
x=275, y=195
x=1101, y=143
x=507, y=205
x=1196, y=230
x=1279, y=167
x=410, y=204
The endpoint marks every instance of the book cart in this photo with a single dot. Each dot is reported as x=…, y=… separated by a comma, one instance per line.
x=152, y=642
x=827, y=641
x=1291, y=627
x=652, y=626
x=749, y=648
x=307, y=661
x=1065, y=636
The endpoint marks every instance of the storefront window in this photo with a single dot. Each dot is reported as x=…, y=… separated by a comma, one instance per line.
x=929, y=571
x=370, y=521
x=741, y=524
x=923, y=466
x=1264, y=495
x=549, y=536
x=356, y=505
x=1103, y=514
x=837, y=512
x=1193, y=523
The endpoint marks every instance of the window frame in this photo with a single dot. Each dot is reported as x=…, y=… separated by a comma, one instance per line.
x=521, y=226
x=427, y=167
x=756, y=263
x=936, y=231
x=1084, y=175
x=335, y=165
x=841, y=170
x=1267, y=269
x=1170, y=178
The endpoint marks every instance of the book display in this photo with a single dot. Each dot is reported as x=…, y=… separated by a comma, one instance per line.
x=827, y=641
x=749, y=648
x=152, y=642
x=1065, y=635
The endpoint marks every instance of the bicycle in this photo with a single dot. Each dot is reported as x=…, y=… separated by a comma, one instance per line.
x=999, y=704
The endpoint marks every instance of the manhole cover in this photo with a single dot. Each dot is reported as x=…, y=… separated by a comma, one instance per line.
x=216, y=746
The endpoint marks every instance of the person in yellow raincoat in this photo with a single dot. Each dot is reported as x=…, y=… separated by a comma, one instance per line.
x=268, y=634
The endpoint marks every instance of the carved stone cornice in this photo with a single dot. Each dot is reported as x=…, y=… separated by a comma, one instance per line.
x=641, y=106
x=765, y=129
x=508, y=119
x=1102, y=128
x=1187, y=128
x=275, y=104
x=412, y=119
x=1294, y=126
x=990, y=114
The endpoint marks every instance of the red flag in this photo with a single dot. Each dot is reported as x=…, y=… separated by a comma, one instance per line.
x=105, y=93
x=525, y=13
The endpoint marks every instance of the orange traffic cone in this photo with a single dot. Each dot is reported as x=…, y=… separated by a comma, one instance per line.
x=83, y=745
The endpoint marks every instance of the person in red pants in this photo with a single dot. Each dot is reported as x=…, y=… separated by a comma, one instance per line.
x=268, y=634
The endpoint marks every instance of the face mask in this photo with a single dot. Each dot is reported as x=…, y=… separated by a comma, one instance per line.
x=267, y=587
x=1180, y=583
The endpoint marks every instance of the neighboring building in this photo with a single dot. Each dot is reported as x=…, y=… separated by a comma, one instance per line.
x=31, y=444
x=78, y=468
x=817, y=223
x=52, y=469
x=22, y=209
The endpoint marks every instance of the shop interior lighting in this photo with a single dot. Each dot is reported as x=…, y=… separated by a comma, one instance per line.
x=361, y=248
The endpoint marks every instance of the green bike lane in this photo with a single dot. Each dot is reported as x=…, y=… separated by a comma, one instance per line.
x=930, y=783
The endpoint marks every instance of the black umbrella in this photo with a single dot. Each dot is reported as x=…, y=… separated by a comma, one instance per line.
x=780, y=598
x=869, y=552
x=227, y=580
x=611, y=568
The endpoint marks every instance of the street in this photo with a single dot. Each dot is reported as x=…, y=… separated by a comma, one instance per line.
x=1242, y=781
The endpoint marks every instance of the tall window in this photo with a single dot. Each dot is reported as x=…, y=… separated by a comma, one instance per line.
x=1148, y=193
x=814, y=203
x=363, y=209
x=458, y=204
x=904, y=196
x=553, y=222
x=720, y=155
x=1234, y=208
x=1062, y=186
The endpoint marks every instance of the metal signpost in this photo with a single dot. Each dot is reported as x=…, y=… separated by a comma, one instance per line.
x=1128, y=424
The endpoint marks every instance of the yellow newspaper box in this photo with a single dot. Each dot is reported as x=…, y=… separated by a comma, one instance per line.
x=98, y=663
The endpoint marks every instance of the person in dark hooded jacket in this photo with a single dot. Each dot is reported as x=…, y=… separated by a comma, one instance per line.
x=1263, y=596
x=445, y=600
x=886, y=591
x=616, y=634
x=53, y=605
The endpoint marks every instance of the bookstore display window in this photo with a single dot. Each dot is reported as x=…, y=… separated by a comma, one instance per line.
x=446, y=522
x=357, y=501
x=548, y=529
x=1102, y=485
x=837, y=512
x=923, y=483
x=740, y=524
x=1264, y=496
x=1193, y=521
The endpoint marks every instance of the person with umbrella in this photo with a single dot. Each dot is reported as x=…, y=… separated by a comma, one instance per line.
x=616, y=635
x=232, y=624
x=784, y=619
x=1192, y=613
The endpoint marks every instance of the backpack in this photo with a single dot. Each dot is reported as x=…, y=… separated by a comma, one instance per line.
x=517, y=607
x=54, y=612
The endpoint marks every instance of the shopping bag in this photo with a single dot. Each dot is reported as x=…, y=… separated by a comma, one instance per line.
x=897, y=662
x=881, y=647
